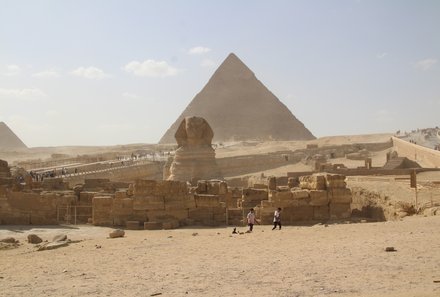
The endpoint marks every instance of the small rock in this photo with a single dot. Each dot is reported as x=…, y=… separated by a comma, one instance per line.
x=59, y=237
x=195, y=234
x=117, y=233
x=9, y=240
x=390, y=249
x=34, y=239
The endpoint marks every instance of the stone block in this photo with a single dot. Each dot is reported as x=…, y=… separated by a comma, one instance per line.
x=152, y=226
x=340, y=210
x=223, y=188
x=120, y=194
x=254, y=194
x=318, y=198
x=148, y=202
x=170, y=224
x=297, y=213
x=133, y=225
x=206, y=200
x=340, y=195
x=86, y=197
x=281, y=196
x=144, y=187
x=312, y=182
x=321, y=212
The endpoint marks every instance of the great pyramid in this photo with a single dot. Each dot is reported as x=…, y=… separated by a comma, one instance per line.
x=8, y=139
x=239, y=107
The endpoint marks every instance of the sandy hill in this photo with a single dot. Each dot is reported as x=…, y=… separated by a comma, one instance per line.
x=239, y=107
x=8, y=139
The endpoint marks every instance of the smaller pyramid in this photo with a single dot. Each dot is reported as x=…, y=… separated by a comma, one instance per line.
x=8, y=139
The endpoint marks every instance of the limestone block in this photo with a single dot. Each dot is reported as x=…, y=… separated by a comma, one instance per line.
x=139, y=215
x=200, y=214
x=321, y=212
x=206, y=200
x=133, y=225
x=213, y=188
x=170, y=224
x=281, y=196
x=120, y=194
x=335, y=180
x=340, y=195
x=254, y=194
x=318, y=198
x=144, y=187
x=297, y=213
x=300, y=198
x=86, y=197
x=122, y=206
x=148, y=202
x=292, y=182
x=300, y=194
x=201, y=187
x=267, y=203
x=312, y=182
x=223, y=188
x=272, y=183
x=175, y=214
x=117, y=233
x=102, y=210
x=152, y=226
x=340, y=210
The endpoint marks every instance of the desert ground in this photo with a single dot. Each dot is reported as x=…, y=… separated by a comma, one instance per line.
x=335, y=260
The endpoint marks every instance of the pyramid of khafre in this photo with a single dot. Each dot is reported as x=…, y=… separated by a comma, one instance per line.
x=239, y=107
x=8, y=139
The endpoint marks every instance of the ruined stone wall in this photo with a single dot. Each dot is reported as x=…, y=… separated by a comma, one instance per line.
x=426, y=157
x=319, y=198
x=156, y=204
x=24, y=208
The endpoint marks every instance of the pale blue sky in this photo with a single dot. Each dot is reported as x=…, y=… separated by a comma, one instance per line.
x=118, y=72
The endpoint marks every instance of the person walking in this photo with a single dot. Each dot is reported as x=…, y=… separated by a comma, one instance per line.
x=251, y=219
x=277, y=219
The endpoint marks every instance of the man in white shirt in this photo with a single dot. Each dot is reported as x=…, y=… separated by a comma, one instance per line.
x=277, y=219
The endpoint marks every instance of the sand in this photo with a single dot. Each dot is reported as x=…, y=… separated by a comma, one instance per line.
x=338, y=260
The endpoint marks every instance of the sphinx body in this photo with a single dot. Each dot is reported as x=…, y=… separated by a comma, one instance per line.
x=194, y=158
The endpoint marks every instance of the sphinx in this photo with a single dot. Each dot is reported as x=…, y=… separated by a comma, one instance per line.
x=194, y=158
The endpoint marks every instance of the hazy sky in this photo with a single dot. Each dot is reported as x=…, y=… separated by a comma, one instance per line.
x=118, y=72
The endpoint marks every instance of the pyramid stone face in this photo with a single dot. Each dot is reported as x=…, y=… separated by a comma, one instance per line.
x=239, y=107
x=8, y=139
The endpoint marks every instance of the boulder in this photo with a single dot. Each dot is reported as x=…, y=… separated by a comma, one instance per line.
x=9, y=240
x=34, y=239
x=117, y=233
